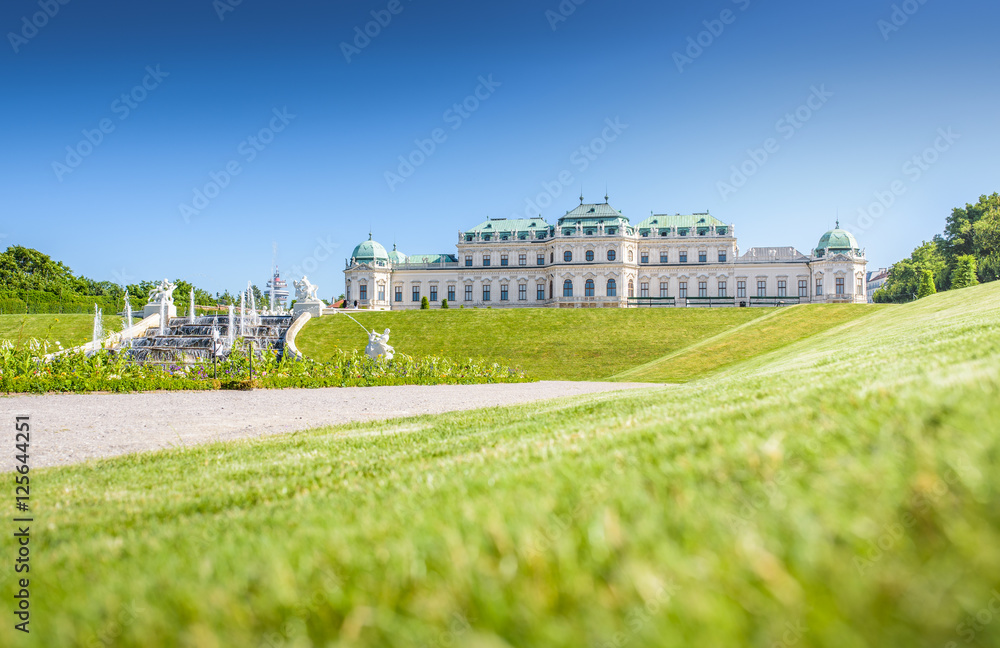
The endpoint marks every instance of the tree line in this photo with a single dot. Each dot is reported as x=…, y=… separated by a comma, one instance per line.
x=31, y=281
x=966, y=254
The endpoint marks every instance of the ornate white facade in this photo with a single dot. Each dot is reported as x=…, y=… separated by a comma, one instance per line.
x=593, y=257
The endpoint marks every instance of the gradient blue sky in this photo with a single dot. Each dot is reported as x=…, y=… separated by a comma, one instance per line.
x=116, y=216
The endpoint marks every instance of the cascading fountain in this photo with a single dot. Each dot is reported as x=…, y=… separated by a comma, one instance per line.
x=231, y=330
x=191, y=309
x=163, y=317
x=98, y=333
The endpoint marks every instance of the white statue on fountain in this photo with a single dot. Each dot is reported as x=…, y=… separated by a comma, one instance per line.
x=378, y=345
x=161, y=300
x=164, y=292
x=306, y=299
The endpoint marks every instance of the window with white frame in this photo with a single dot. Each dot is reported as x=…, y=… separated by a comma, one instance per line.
x=762, y=288
x=682, y=289
x=703, y=289
x=722, y=289
x=663, y=288
x=741, y=289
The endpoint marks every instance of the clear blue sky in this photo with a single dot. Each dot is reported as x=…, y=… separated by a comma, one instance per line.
x=115, y=214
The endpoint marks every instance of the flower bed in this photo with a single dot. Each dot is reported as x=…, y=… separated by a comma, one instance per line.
x=21, y=371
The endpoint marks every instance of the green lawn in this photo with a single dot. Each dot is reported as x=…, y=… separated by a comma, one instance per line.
x=550, y=344
x=70, y=329
x=840, y=491
x=779, y=328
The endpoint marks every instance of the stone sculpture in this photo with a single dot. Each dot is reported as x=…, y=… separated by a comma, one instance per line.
x=378, y=345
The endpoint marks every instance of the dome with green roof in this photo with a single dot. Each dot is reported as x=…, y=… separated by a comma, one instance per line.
x=837, y=241
x=396, y=257
x=370, y=252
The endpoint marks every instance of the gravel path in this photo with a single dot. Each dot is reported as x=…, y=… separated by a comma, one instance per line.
x=70, y=428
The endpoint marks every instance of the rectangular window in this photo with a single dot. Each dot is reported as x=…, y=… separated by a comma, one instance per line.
x=522, y=292
x=540, y=292
x=363, y=292
x=468, y=262
x=703, y=257
x=840, y=285
x=399, y=293
x=703, y=289
x=486, y=292
x=761, y=288
x=468, y=293
x=434, y=293
x=682, y=289
x=664, y=258
x=503, y=260
x=782, y=288
x=451, y=293
x=683, y=257
x=644, y=289
x=819, y=287
x=663, y=288
x=741, y=289
x=722, y=256
x=416, y=293
x=722, y=289
x=540, y=260
x=486, y=261
x=644, y=258
x=803, y=288
x=381, y=292
x=522, y=259
x=504, y=295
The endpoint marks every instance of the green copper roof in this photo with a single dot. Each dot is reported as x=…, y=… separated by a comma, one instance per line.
x=370, y=251
x=509, y=226
x=396, y=257
x=662, y=221
x=836, y=240
x=432, y=258
x=593, y=214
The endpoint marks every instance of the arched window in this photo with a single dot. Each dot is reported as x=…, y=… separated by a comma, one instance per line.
x=611, y=255
x=588, y=288
x=567, y=288
x=612, y=288
x=630, y=256
x=590, y=255
x=567, y=256
x=631, y=288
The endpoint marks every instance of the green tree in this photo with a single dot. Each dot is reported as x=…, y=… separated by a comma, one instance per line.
x=986, y=245
x=425, y=303
x=905, y=275
x=965, y=272
x=444, y=304
x=926, y=284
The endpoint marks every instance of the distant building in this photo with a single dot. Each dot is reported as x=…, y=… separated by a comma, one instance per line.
x=594, y=257
x=875, y=280
x=279, y=288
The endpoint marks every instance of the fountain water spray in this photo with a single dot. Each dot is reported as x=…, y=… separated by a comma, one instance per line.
x=98, y=334
x=231, y=331
x=127, y=321
x=243, y=310
x=191, y=309
x=163, y=319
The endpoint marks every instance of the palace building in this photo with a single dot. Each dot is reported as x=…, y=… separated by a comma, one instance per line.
x=594, y=257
